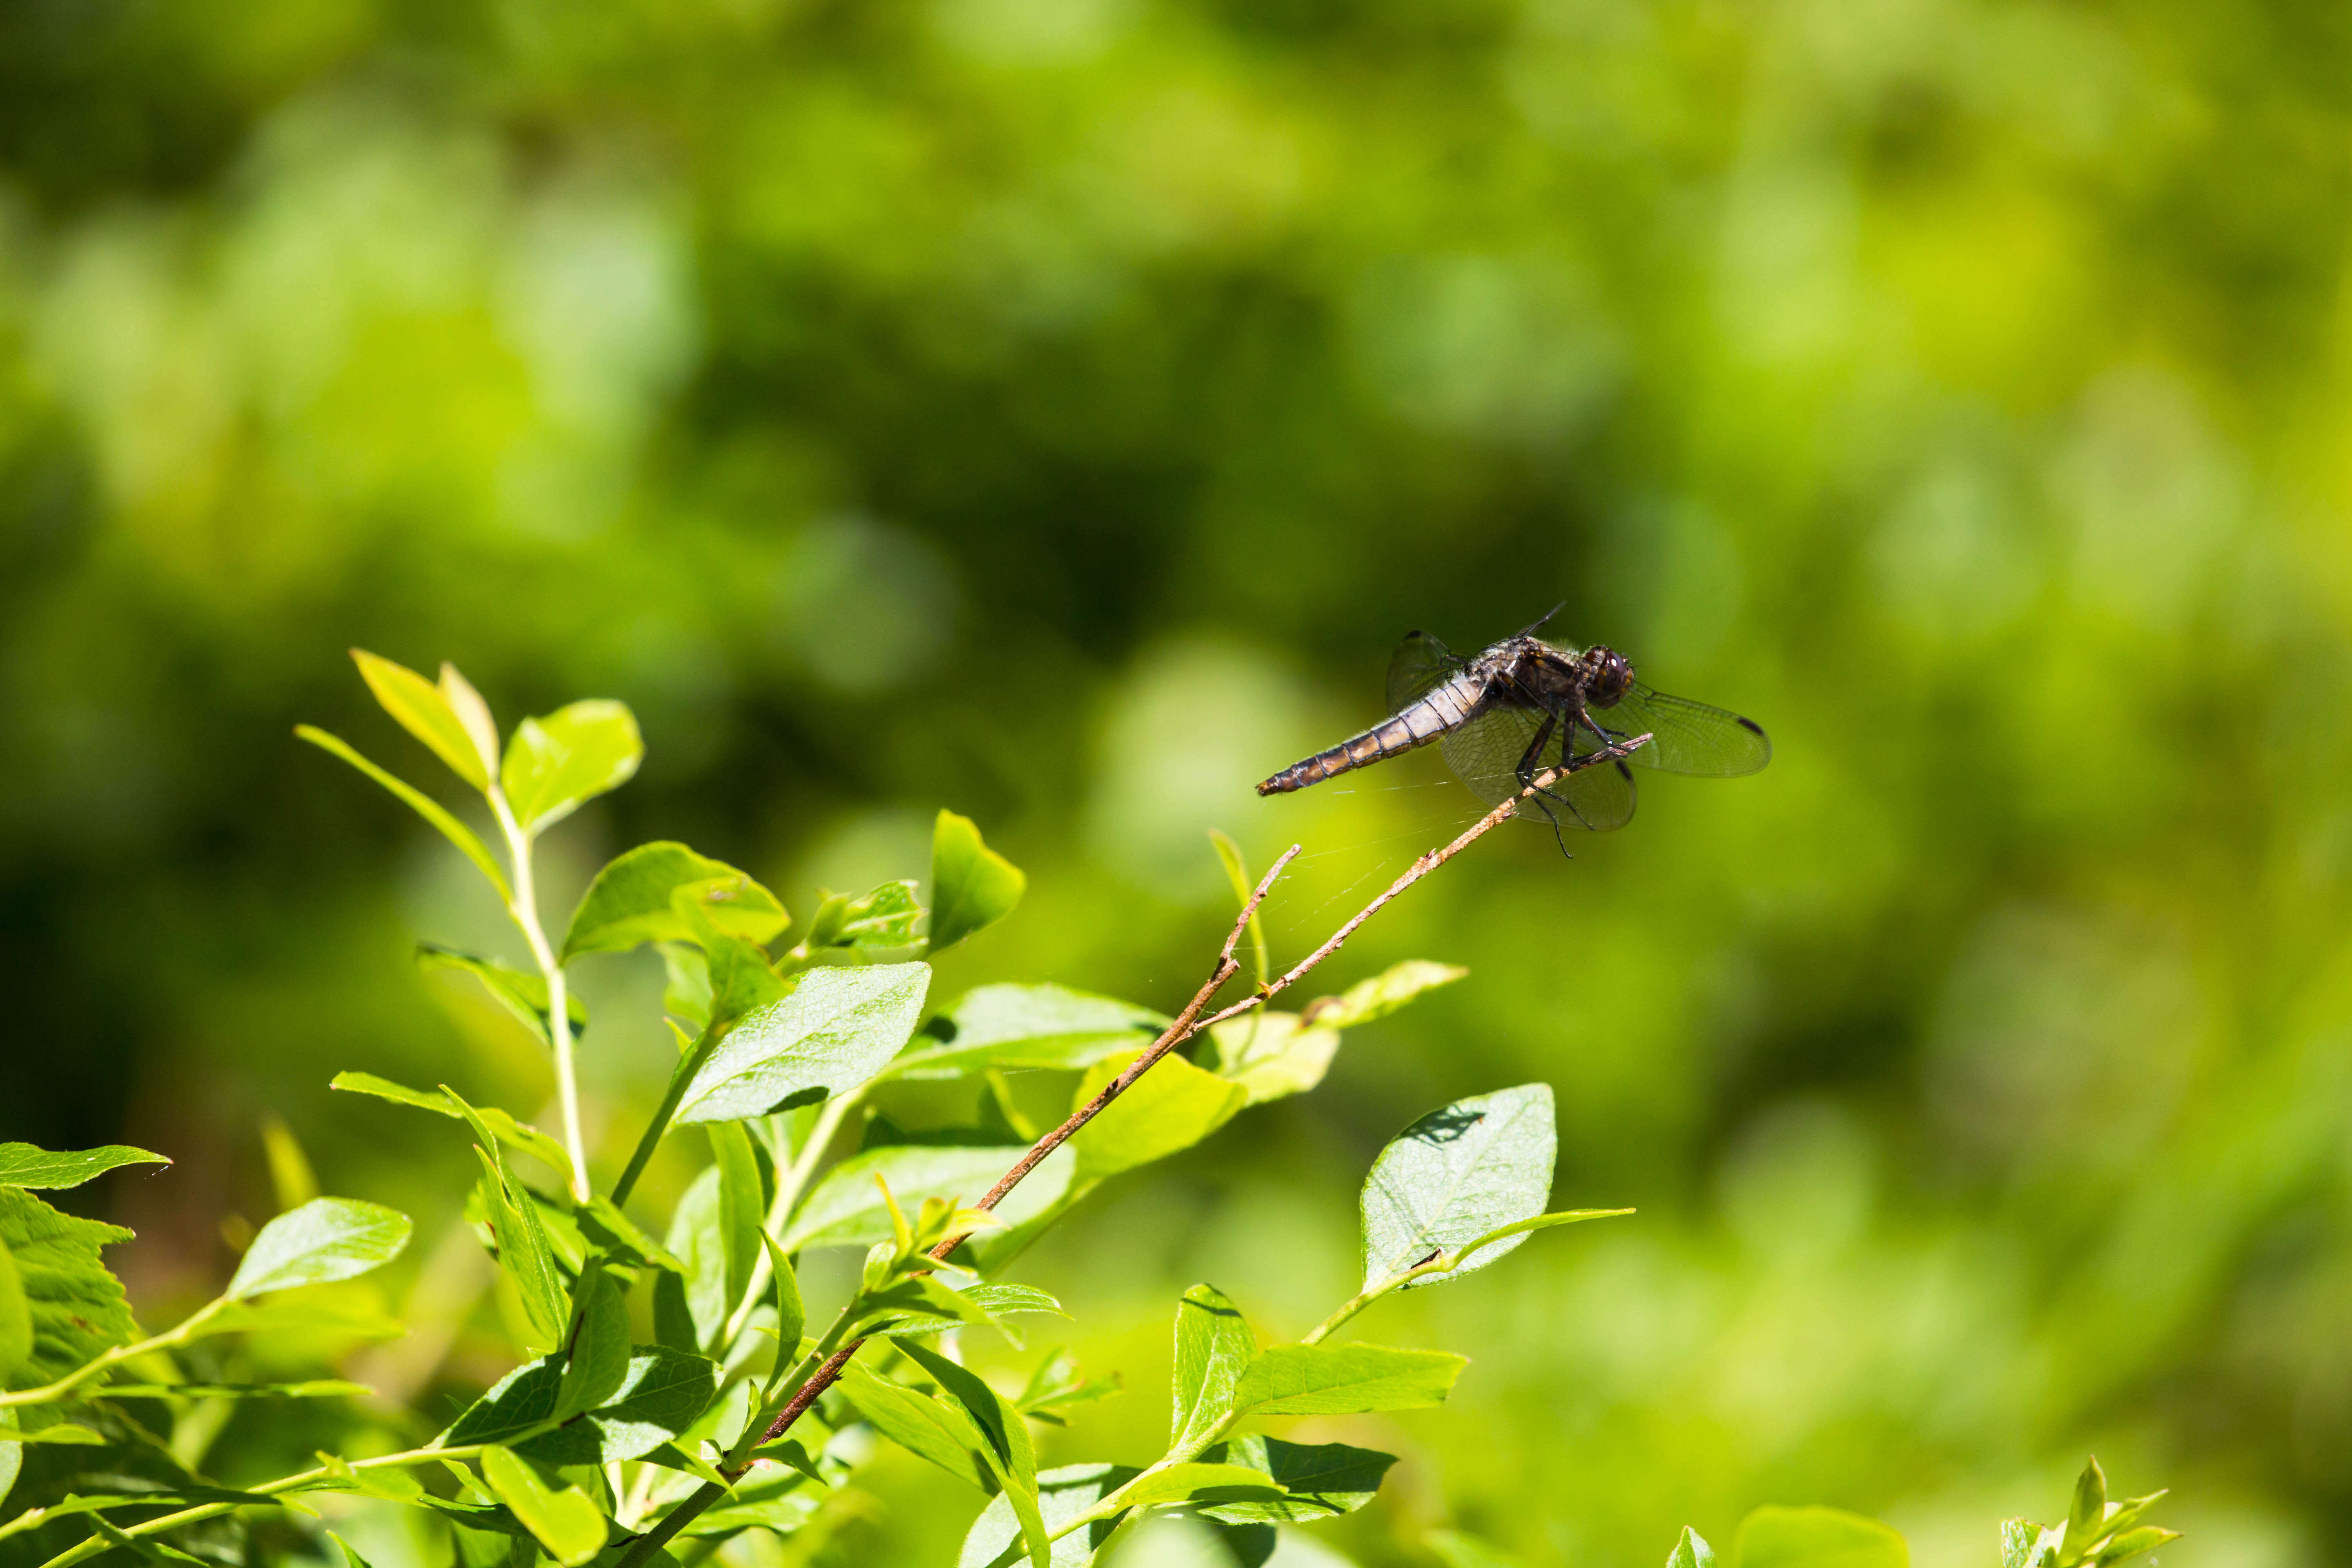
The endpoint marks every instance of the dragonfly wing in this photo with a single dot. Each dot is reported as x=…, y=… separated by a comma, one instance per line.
x=1686, y=737
x=1420, y=663
x=1486, y=754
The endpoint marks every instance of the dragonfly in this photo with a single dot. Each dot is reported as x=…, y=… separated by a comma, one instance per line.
x=1523, y=706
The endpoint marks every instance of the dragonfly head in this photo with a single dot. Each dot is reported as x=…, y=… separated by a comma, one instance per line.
x=1607, y=674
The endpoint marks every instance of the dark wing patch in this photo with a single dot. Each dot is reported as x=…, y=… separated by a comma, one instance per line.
x=1686, y=737
x=1420, y=663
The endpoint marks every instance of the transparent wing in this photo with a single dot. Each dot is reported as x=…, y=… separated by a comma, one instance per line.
x=1486, y=754
x=1419, y=662
x=1686, y=737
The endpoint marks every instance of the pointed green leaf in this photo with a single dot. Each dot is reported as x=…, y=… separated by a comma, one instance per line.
x=15, y=1319
x=599, y=1357
x=22, y=1165
x=77, y=1306
x=325, y=1240
x=836, y=1030
x=1172, y=1106
x=659, y=1397
x=972, y=887
x=351, y=1558
x=1776, y=1537
x=1012, y=1027
x=628, y=904
x=1008, y=1441
x=1213, y=1347
x=525, y=1255
x=1319, y=1481
x=423, y=804
x=2090, y=1508
x=791, y=1314
x=1340, y=1379
x=423, y=710
x=1456, y=1175
x=2132, y=1542
x=1691, y=1551
x=934, y=1429
x=1382, y=995
x=565, y=1519
x=845, y=1208
x=742, y=1203
x=64, y=1432
x=557, y=763
x=1063, y=1494
x=522, y=995
x=310, y=1388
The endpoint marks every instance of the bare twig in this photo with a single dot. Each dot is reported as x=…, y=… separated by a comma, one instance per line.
x=1184, y=1026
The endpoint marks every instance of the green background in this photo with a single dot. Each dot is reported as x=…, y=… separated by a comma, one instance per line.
x=1055, y=409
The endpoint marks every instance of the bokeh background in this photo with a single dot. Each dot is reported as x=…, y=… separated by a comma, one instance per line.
x=1054, y=410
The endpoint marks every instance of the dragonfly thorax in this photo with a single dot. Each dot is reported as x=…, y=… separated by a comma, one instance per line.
x=1607, y=674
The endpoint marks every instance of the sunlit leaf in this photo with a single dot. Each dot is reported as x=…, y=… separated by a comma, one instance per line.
x=77, y=1306
x=1012, y=1027
x=1460, y=1172
x=565, y=1519
x=515, y=1134
x=1776, y=1537
x=15, y=1319
x=1318, y=1479
x=1340, y=1379
x=659, y=1397
x=934, y=1429
x=995, y=1540
x=845, y=1208
x=972, y=887
x=424, y=709
x=628, y=904
x=325, y=1240
x=1382, y=995
x=836, y=1030
x=555, y=765
x=1213, y=1347
x=1172, y=1106
x=1007, y=1434
x=1691, y=1551
x=22, y=1165
x=598, y=1358
x=1272, y=1055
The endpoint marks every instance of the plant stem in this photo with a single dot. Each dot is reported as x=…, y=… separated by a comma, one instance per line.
x=116, y=1357
x=790, y=1185
x=524, y=909
x=83, y=1550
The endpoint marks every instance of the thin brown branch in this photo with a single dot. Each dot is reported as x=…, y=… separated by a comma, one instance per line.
x=1184, y=1026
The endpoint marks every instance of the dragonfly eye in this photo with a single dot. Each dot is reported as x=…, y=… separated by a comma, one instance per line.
x=1612, y=672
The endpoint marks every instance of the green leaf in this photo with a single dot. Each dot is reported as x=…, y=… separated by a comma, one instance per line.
x=2025, y=1544
x=1321, y=1480
x=1691, y=1551
x=555, y=764
x=1524, y=1228
x=77, y=1306
x=15, y=1319
x=742, y=1203
x=1207, y=1482
x=599, y=1357
x=502, y=1125
x=2132, y=1542
x=972, y=887
x=525, y=1255
x=1342, y=1380
x=883, y=920
x=610, y=1231
x=63, y=1432
x=326, y=1318
x=1776, y=1537
x=792, y=1313
x=915, y=1305
x=144, y=1548
x=845, y=1208
x=423, y=804
x=1455, y=1175
x=1213, y=1347
x=1012, y=1027
x=424, y=709
x=566, y=1522
x=22, y=1165
x=1382, y=995
x=658, y=1397
x=698, y=1235
x=522, y=995
x=1008, y=1439
x=351, y=1558
x=1272, y=1055
x=929, y=1429
x=836, y=1030
x=995, y=1540
x=1229, y=854
x=2090, y=1505
x=1172, y=1106
x=324, y=1241
x=628, y=904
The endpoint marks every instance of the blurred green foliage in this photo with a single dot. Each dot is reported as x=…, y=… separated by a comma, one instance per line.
x=1052, y=409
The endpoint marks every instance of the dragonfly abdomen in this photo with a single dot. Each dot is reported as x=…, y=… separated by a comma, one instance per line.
x=1451, y=705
